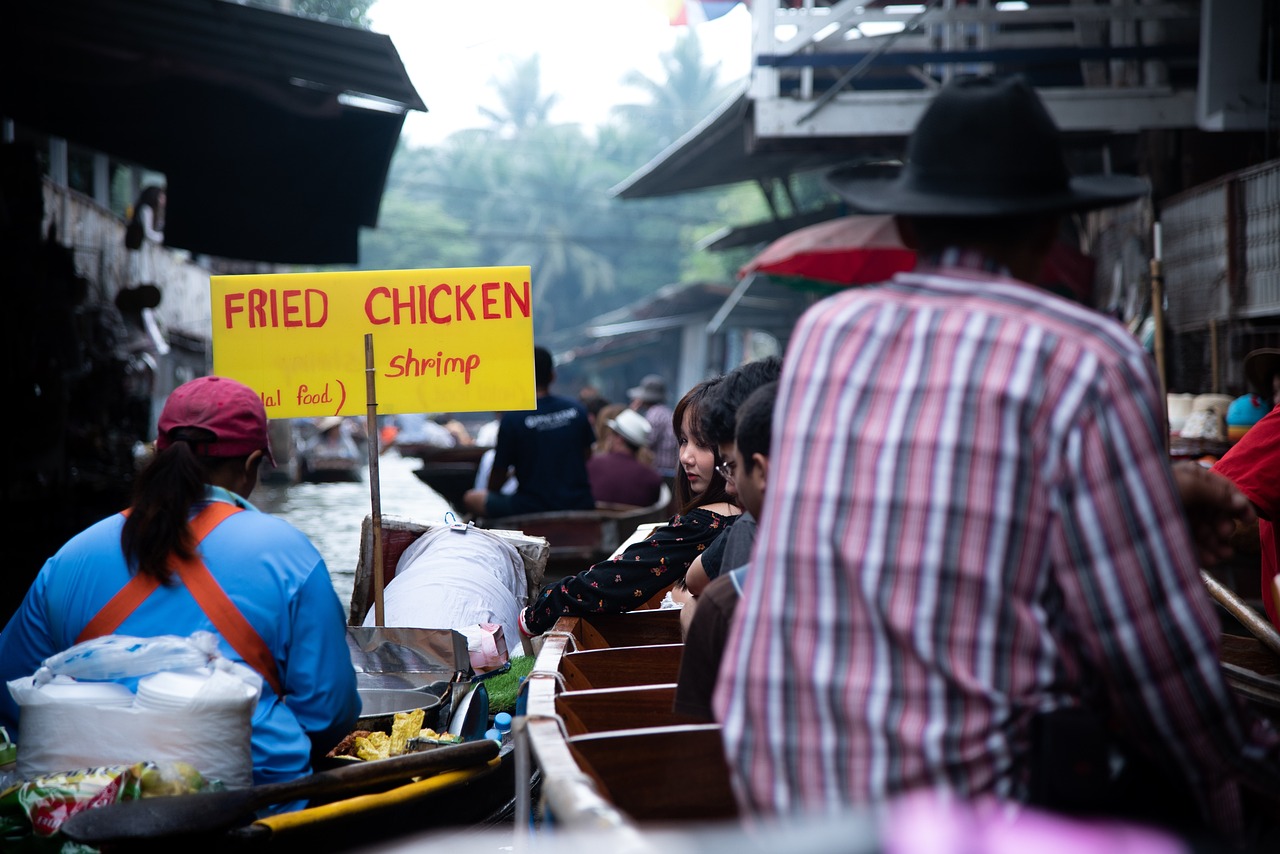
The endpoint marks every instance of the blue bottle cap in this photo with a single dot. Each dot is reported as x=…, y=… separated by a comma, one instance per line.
x=502, y=720
x=494, y=734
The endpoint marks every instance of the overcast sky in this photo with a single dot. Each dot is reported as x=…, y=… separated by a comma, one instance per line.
x=453, y=49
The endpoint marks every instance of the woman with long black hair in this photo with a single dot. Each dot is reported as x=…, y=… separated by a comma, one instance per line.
x=624, y=583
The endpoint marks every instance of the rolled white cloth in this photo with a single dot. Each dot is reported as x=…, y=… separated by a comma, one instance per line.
x=450, y=580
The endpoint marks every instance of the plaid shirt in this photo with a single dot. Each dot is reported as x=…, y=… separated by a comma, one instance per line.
x=970, y=520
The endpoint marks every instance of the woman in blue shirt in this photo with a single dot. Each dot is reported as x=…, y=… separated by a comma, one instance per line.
x=193, y=554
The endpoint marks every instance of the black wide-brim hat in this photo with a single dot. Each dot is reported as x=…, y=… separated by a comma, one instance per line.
x=984, y=147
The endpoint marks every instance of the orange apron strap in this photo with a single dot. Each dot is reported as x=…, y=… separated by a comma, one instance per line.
x=209, y=595
x=119, y=607
x=229, y=622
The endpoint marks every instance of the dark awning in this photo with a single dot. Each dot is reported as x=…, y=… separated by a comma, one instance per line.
x=723, y=149
x=275, y=132
x=756, y=233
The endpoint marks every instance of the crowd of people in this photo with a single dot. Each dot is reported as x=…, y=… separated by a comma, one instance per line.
x=939, y=544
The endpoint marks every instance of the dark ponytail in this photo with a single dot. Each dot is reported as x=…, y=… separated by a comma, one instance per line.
x=163, y=495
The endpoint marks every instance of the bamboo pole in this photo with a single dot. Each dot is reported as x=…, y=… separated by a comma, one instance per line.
x=375, y=497
x=1257, y=624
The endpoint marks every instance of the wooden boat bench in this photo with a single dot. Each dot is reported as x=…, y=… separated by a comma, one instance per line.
x=620, y=666
x=605, y=734
x=607, y=709
x=637, y=628
x=1253, y=671
x=650, y=773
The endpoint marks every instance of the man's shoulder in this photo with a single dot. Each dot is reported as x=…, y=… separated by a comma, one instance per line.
x=1070, y=329
x=555, y=401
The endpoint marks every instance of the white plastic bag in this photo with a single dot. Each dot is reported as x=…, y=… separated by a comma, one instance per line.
x=124, y=657
x=210, y=728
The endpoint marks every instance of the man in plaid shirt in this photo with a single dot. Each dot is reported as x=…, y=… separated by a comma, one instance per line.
x=972, y=521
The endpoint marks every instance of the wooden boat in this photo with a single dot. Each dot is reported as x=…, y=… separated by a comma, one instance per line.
x=449, y=471
x=600, y=722
x=474, y=797
x=613, y=753
x=319, y=465
x=328, y=470
x=478, y=795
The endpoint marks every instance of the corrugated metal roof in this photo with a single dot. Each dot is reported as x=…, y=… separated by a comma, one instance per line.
x=274, y=131
x=213, y=40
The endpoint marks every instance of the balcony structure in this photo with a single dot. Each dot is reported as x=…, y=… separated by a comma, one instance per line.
x=845, y=82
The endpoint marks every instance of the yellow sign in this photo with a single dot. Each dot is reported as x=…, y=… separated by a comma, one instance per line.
x=447, y=340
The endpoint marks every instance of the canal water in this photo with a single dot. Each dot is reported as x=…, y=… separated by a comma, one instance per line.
x=331, y=513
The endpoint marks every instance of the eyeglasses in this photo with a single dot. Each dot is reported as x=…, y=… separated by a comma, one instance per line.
x=726, y=468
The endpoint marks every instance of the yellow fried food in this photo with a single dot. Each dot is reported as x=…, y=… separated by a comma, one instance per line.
x=404, y=726
x=376, y=745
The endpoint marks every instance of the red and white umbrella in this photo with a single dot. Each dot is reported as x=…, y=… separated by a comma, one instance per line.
x=863, y=250
x=849, y=250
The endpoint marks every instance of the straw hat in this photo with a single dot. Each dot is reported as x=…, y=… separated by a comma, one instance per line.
x=324, y=425
x=632, y=426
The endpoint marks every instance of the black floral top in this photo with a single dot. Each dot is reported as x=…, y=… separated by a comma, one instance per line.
x=629, y=580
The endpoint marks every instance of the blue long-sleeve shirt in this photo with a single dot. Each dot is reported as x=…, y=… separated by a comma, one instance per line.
x=268, y=569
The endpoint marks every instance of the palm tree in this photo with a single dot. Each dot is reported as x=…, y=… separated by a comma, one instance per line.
x=689, y=92
x=520, y=93
x=562, y=222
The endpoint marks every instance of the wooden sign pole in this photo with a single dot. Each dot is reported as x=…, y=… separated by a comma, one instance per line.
x=371, y=430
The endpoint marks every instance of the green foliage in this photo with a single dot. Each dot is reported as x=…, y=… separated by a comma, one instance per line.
x=523, y=104
x=419, y=235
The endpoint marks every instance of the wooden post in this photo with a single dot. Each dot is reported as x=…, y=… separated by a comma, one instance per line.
x=1213, y=355
x=1157, y=315
x=375, y=498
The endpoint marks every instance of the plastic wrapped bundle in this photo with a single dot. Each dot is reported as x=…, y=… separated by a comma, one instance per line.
x=457, y=579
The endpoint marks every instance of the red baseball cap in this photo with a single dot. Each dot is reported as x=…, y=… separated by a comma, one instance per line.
x=230, y=410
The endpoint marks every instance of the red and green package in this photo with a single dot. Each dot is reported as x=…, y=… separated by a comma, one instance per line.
x=32, y=811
